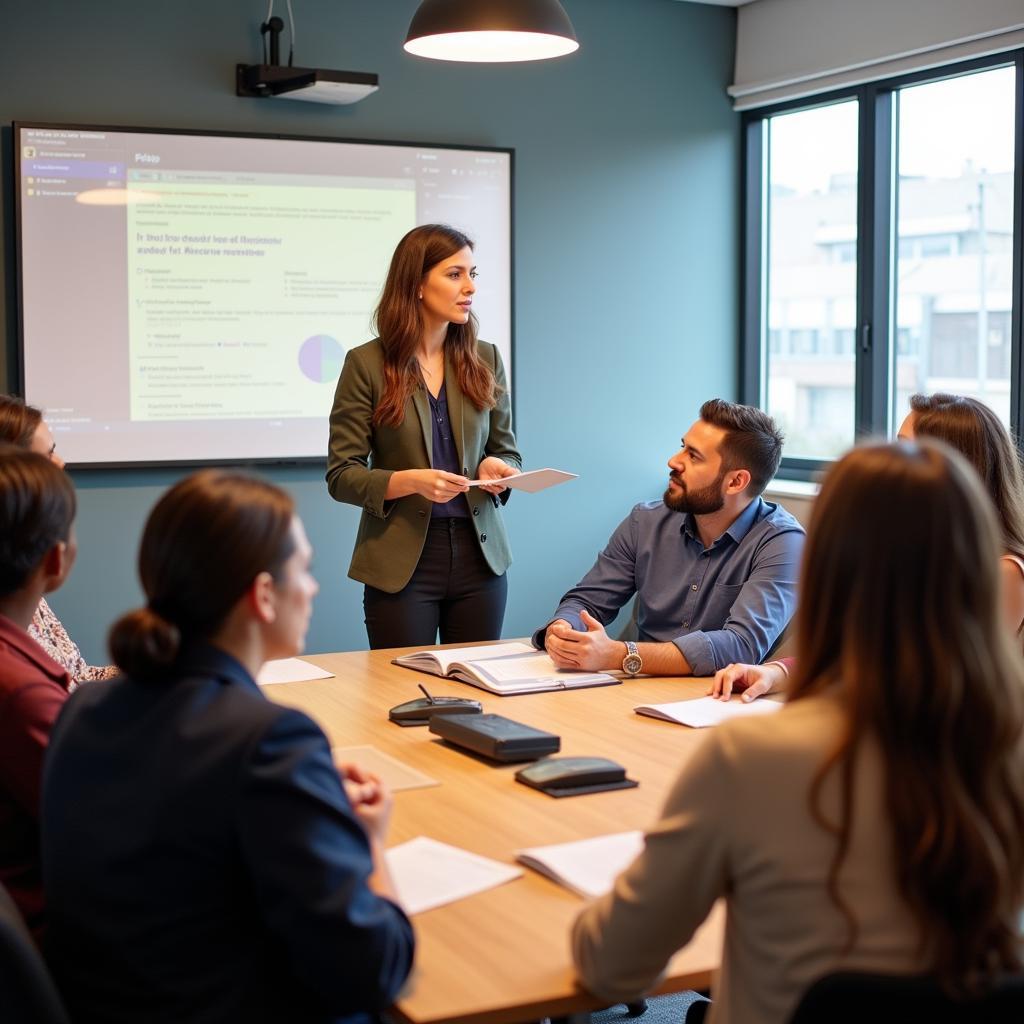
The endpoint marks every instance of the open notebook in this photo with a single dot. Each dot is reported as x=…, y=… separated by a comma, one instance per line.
x=504, y=669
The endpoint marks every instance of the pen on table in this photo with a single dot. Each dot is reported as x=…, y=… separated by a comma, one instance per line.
x=426, y=692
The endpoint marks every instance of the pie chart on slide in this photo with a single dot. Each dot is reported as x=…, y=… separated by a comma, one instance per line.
x=320, y=358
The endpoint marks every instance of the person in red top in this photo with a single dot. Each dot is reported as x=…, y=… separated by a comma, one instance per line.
x=37, y=549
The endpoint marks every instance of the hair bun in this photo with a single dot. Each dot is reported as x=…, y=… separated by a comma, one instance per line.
x=144, y=644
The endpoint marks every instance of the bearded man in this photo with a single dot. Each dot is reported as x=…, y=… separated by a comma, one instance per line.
x=713, y=565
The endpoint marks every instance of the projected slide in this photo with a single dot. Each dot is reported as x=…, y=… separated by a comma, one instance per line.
x=218, y=316
x=191, y=298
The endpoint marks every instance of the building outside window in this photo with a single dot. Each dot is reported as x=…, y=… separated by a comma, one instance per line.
x=880, y=254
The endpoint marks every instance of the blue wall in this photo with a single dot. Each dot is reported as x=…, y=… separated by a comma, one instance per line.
x=626, y=233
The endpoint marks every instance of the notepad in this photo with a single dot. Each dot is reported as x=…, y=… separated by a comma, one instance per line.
x=587, y=867
x=429, y=874
x=395, y=774
x=504, y=669
x=290, y=670
x=706, y=711
x=531, y=481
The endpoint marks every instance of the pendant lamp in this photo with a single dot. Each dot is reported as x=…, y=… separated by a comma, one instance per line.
x=490, y=31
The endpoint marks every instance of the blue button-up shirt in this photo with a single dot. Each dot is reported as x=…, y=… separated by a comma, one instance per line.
x=724, y=603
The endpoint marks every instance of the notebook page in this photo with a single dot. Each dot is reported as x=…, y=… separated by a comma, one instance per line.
x=488, y=653
x=588, y=866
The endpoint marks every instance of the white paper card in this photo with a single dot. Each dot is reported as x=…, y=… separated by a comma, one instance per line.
x=290, y=670
x=429, y=874
x=531, y=481
x=588, y=867
x=706, y=711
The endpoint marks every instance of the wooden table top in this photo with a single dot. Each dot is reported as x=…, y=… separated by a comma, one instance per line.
x=503, y=955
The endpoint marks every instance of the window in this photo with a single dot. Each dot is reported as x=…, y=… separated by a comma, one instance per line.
x=810, y=223
x=954, y=197
x=883, y=248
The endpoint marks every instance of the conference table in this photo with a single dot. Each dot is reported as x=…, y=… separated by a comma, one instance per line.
x=502, y=956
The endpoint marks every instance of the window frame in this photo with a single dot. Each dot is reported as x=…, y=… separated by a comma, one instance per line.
x=874, y=350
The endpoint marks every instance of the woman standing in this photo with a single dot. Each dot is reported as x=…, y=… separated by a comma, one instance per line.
x=419, y=412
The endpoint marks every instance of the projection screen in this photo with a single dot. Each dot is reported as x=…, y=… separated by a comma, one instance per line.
x=189, y=298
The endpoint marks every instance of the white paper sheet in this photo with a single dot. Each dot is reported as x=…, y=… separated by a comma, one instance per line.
x=588, y=866
x=290, y=670
x=705, y=711
x=429, y=874
x=531, y=481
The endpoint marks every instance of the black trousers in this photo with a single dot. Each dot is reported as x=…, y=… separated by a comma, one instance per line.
x=452, y=590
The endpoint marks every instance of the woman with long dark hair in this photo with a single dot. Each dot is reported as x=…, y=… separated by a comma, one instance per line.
x=975, y=431
x=876, y=823
x=203, y=859
x=419, y=412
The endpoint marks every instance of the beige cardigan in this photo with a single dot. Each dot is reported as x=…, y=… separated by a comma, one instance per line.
x=737, y=825
x=361, y=458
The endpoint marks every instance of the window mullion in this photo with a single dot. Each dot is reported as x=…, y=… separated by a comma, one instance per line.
x=874, y=263
x=1017, y=274
x=754, y=296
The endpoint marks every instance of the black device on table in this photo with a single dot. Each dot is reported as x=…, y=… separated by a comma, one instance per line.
x=421, y=710
x=495, y=736
x=574, y=776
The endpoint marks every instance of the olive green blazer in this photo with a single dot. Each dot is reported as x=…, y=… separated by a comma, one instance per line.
x=361, y=458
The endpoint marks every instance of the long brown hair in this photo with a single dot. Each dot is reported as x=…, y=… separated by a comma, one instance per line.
x=398, y=321
x=899, y=615
x=975, y=431
x=204, y=543
x=18, y=421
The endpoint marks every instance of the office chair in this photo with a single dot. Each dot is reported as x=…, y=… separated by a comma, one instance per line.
x=853, y=998
x=27, y=992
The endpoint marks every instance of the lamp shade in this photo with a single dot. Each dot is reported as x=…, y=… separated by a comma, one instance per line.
x=490, y=31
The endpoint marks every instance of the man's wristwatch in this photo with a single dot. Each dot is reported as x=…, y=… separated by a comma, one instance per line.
x=632, y=663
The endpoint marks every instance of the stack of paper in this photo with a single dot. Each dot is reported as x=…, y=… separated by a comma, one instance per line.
x=588, y=867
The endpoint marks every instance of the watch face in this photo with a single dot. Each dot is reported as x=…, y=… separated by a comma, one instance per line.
x=632, y=664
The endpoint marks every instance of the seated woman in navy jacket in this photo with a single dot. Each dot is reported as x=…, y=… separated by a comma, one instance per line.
x=203, y=859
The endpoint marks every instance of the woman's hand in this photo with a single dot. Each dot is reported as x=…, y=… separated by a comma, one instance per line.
x=493, y=468
x=370, y=798
x=750, y=681
x=433, y=484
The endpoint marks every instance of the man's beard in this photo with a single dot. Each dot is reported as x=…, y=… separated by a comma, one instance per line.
x=700, y=503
